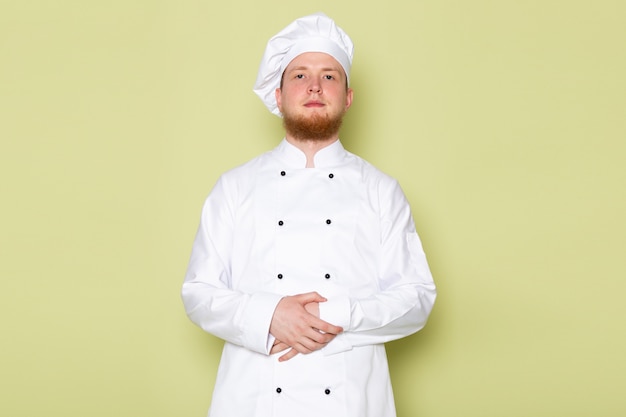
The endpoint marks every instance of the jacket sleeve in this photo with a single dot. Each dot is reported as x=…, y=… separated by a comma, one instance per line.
x=207, y=293
x=406, y=291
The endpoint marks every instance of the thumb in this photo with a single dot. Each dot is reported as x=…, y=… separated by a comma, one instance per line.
x=310, y=297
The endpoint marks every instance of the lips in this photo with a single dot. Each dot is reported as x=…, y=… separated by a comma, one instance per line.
x=314, y=103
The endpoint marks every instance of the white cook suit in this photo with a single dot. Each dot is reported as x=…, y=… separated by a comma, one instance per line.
x=271, y=228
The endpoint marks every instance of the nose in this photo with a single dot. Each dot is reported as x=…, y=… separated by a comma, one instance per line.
x=315, y=87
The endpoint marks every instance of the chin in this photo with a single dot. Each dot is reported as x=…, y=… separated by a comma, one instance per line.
x=316, y=126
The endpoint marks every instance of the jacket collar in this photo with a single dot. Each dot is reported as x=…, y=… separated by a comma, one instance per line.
x=293, y=157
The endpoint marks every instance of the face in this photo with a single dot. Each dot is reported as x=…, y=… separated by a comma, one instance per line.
x=313, y=97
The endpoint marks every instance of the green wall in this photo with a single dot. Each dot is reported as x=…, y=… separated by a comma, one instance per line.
x=505, y=122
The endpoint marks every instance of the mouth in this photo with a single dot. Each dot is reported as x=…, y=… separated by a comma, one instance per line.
x=314, y=104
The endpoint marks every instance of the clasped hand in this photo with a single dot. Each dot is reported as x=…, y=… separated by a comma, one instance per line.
x=296, y=326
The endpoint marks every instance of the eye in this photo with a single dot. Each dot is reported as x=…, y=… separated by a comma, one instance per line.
x=299, y=76
x=328, y=77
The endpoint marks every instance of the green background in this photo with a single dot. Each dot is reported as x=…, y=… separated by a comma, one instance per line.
x=504, y=121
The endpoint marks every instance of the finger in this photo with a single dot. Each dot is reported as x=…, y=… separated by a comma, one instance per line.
x=288, y=355
x=320, y=339
x=312, y=340
x=324, y=326
x=310, y=297
x=279, y=347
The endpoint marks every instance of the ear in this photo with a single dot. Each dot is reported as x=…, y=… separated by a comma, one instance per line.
x=349, y=96
x=278, y=96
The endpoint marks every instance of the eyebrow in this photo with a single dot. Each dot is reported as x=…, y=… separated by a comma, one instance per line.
x=302, y=68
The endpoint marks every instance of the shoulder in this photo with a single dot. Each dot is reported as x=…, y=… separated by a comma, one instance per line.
x=371, y=174
x=245, y=168
x=246, y=173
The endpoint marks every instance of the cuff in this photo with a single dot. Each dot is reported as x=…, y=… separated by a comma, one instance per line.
x=337, y=311
x=258, y=317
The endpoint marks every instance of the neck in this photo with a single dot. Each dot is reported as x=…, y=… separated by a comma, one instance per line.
x=310, y=147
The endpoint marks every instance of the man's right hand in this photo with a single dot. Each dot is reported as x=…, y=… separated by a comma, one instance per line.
x=294, y=326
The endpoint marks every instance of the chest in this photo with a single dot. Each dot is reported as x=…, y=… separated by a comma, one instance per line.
x=306, y=229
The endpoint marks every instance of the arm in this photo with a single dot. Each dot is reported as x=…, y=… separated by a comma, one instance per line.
x=406, y=291
x=208, y=295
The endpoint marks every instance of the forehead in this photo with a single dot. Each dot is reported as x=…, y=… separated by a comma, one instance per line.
x=315, y=60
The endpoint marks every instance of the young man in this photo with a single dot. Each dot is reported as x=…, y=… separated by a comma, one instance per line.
x=307, y=260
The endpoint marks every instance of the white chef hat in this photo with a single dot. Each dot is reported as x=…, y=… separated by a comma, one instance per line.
x=313, y=33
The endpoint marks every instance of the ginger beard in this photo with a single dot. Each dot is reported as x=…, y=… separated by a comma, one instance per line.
x=317, y=127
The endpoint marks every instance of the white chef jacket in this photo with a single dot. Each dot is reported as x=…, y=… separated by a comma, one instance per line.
x=271, y=228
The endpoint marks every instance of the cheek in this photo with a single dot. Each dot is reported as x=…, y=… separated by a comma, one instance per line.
x=288, y=96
